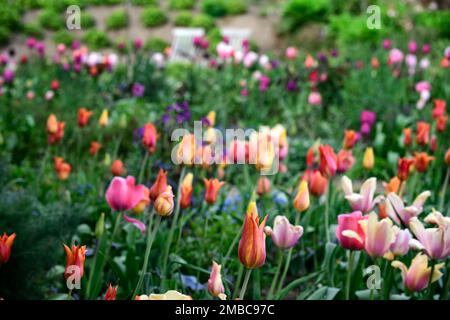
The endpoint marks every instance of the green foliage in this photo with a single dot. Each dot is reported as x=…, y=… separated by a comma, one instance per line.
x=297, y=13
x=153, y=17
x=96, y=39
x=348, y=29
x=60, y=5
x=184, y=19
x=86, y=20
x=181, y=4
x=103, y=2
x=118, y=19
x=234, y=7
x=155, y=44
x=215, y=8
x=145, y=2
x=203, y=21
x=51, y=19
x=9, y=20
x=438, y=21
x=63, y=36
x=33, y=30
x=4, y=35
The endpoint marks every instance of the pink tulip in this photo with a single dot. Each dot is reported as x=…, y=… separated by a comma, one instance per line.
x=315, y=99
x=291, y=53
x=364, y=200
x=350, y=232
x=122, y=194
x=284, y=234
x=395, y=56
x=399, y=213
x=423, y=86
x=400, y=246
x=215, y=285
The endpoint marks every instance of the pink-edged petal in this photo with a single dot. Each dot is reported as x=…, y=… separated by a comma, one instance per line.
x=137, y=223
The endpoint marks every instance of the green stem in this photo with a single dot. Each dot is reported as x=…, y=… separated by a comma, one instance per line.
x=230, y=249
x=150, y=238
x=238, y=280
x=142, y=170
x=444, y=295
x=327, y=198
x=430, y=284
x=349, y=274
x=244, y=285
x=275, y=278
x=443, y=192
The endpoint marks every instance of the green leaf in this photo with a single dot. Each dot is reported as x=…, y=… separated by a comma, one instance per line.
x=295, y=283
x=324, y=293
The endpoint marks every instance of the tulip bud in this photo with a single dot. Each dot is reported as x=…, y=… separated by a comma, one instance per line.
x=52, y=124
x=328, y=161
x=301, y=200
x=104, y=118
x=117, y=168
x=123, y=121
x=107, y=160
x=111, y=293
x=447, y=157
x=369, y=159
x=212, y=187
x=6, y=242
x=75, y=256
x=186, y=191
x=164, y=203
x=407, y=137
x=215, y=285
x=159, y=186
x=263, y=186
x=404, y=167
x=211, y=117
x=100, y=226
x=350, y=138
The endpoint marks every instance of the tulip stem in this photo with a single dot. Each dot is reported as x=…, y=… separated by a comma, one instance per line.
x=430, y=279
x=275, y=278
x=227, y=256
x=444, y=191
x=142, y=170
x=327, y=205
x=349, y=274
x=150, y=238
x=444, y=294
x=248, y=272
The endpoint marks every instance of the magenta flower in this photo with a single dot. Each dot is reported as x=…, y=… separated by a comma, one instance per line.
x=350, y=232
x=315, y=99
x=138, y=90
x=122, y=194
x=284, y=234
x=412, y=47
x=395, y=56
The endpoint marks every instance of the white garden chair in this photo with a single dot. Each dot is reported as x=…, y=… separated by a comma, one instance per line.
x=236, y=36
x=182, y=45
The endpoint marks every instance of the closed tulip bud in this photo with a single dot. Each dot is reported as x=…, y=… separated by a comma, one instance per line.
x=75, y=257
x=423, y=133
x=441, y=123
x=350, y=232
x=215, y=285
x=328, y=161
x=164, y=203
x=117, y=168
x=149, y=137
x=100, y=226
x=317, y=184
x=369, y=159
x=104, y=118
x=111, y=293
x=350, y=138
x=252, y=246
x=404, y=167
x=212, y=187
x=421, y=161
x=107, y=160
x=95, y=146
x=83, y=117
x=301, y=200
x=417, y=277
x=284, y=235
x=186, y=191
x=211, y=117
x=263, y=186
x=159, y=186
x=447, y=157
x=123, y=121
x=407, y=137
x=6, y=242
x=52, y=124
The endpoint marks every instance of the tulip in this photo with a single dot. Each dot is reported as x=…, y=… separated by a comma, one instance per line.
x=186, y=190
x=395, y=56
x=399, y=213
x=104, y=118
x=211, y=117
x=400, y=246
x=279, y=134
x=363, y=201
x=185, y=153
x=435, y=241
x=291, y=53
x=369, y=159
x=149, y=137
x=328, y=161
x=284, y=235
x=52, y=124
x=164, y=203
x=252, y=246
x=421, y=161
x=169, y=295
x=64, y=171
x=407, y=137
x=350, y=138
x=140, y=207
x=55, y=129
x=262, y=151
x=159, y=186
x=349, y=232
x=417, y=277
x=215, y=285
x=212, y=187
x=111, y=293
x=75, y=256
x=379, y=235
x=95, y=146
x=6, y=242
x=122, y=194
x=301, y=200
x=317, y=182
x=439, y=108
x=374, y=63
x=392, y=186
x=423, y=133
x=404, y=167
x=315, y=99
x=83, y=117
x=117, y=168
x=238, y=152
x=263, y=185
x=447, y=157
x=309, y=62
x=441, y=123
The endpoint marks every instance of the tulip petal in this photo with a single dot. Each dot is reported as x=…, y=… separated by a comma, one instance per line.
x=137, y=223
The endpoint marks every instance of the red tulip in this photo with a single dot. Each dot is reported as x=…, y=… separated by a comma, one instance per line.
x=439, y=108
x=423, y=133
x=6, y=242
x=95, y=146
x=149, y=137
x=328, y=161
x=407, y=137
x=212, y=187
x=117, y=168
x=111, y=293
x=75, y=256
x=83, y=117
x=350, y=138
x=404, y=166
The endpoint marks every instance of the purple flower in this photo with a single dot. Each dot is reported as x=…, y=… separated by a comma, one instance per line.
x=138, y=90
x=291, y=85
x=8, y=75
x=31, y=42
x=368, y=117
x=75, y=45
x=387, y=44
x=138, y=43
x=426, y=48
x=40, y=48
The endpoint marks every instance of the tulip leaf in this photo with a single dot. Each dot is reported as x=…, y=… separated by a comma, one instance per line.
x=283, y=292
x=366, y=294
x=324, y=293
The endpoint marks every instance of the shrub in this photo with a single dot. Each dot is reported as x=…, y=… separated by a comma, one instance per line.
x=144, y=2
x=63, y=36
x=183, y=19
x=296, y=13
x=33, y=30
x=103, y=2
x=236, y=7
x=215, y=8
x=96, y=39
x=348, y=29
x=438, y=21
x=87, y=20
x=155, y=44
x=9, y=16
x=153, y=17
x=203, y=21
x=50, y=19
x=60, y=5
x=181, y=4
x=117, y=20
x=4, y=35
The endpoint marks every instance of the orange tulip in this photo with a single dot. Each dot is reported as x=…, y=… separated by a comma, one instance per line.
x=423, y=133
x=447, y=157
x=350, y=138
x=392, y=186
x=407, y=137
x=111, y=293
x=374, y=63
x=149, y=137
x=404, y=167
x=252, y=246
x=159, y=186
x=186, y=191
x=421, y=161
x=83, y=117
x=117, y=168
x=263, y=186
x=301, y=200
x=186, y=150
x=52, y=124
x=212, y=187
x=62, y=168
x=95, y=146
x=6, y=242
x=75, y=257
x=55, y=129
x=441, y=123
x=317, y=182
